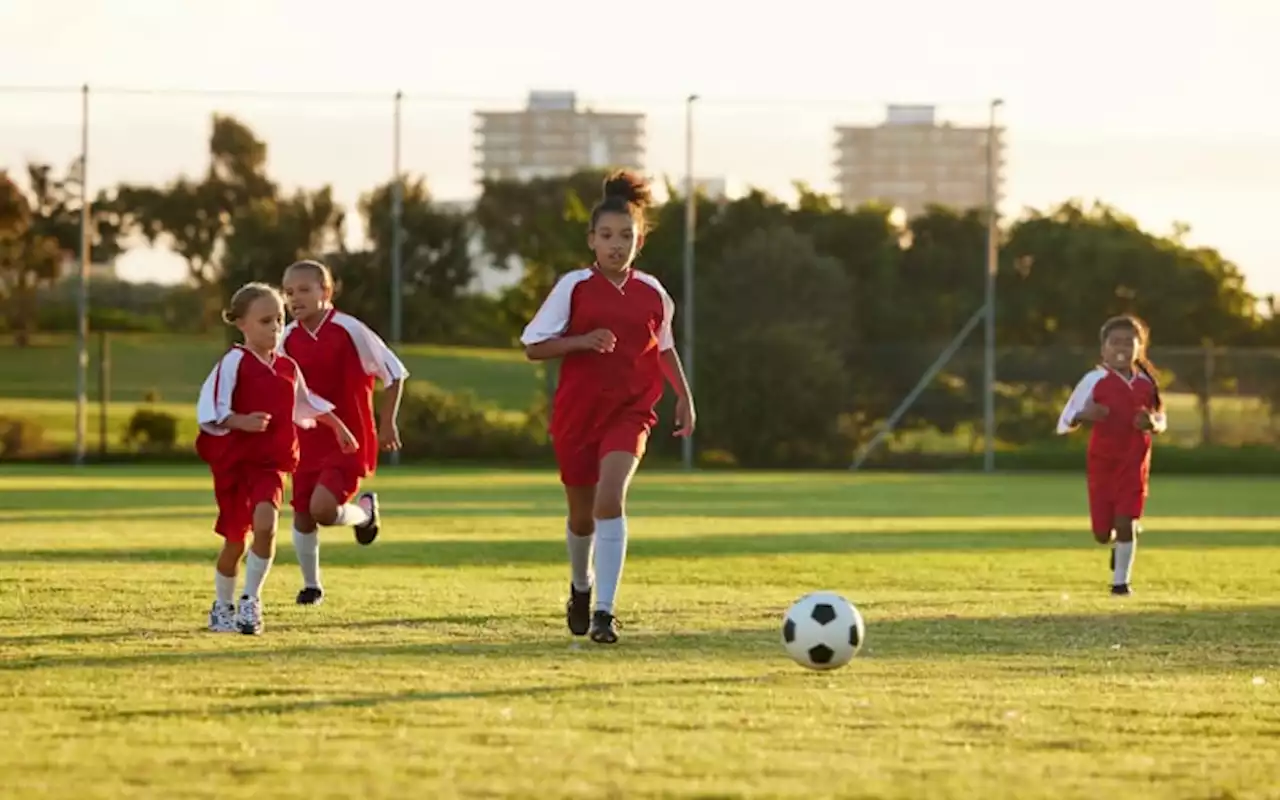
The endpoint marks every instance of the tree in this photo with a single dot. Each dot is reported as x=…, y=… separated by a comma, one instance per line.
x=437, y=263
x=194, y=217
x=269, y=233
x=38, y=234
x=772, y=387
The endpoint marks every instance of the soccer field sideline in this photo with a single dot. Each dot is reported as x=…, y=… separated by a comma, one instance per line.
x=440, y=664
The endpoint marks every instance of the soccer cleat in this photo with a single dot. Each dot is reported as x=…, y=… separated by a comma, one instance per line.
x=222, y=617
x=310, y=596
x=1121, y=590
x=604, y=628
x=366, y=533
x=577, y=611
x=249, y=617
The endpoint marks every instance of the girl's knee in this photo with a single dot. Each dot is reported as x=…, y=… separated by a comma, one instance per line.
x=324, y=509
x=608, y=506
x=582, y=523
x=1125, y=530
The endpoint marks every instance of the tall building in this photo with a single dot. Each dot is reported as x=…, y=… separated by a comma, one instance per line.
x=551, y=136
x=910, y=161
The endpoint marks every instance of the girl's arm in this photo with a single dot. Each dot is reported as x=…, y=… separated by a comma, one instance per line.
x=346, y=439
x=673, y=370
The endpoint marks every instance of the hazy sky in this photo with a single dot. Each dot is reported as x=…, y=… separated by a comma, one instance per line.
x=1166, y=110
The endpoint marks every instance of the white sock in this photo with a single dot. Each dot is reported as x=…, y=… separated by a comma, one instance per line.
x=1124, y=562
x=350, y=516
x=224, y=588
x=579, y=559
x=255, y=573
x=611, y=552
x=307, y=547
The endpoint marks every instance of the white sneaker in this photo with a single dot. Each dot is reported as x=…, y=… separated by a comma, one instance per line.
x=249, y=617
x=222, y=617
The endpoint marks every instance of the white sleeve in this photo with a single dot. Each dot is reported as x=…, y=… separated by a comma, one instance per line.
x=552, y=319
x=307, y=407
x=214, y=405
x=666, y=339
x=1080, y=397
x=376, y=358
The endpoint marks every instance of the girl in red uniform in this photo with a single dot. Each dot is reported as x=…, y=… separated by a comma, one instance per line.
x=1121, y=400
x=249, y=410
x=341, y=357
x=611, y=326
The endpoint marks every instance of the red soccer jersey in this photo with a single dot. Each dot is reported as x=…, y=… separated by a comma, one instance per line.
x=244, y=383
x=1115, y=438
x=341, y=358
x=595, y=389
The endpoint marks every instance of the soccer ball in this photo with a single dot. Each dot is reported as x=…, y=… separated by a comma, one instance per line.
x=822, y=631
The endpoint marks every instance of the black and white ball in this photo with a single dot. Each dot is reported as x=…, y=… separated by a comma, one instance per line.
x=822, y=631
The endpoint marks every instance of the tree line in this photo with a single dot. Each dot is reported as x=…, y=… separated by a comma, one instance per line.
x=813, y=320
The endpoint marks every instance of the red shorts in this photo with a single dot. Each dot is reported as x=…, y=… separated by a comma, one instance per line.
x=340, y=476
x=580, y=460
x=238, y=493
x=1115, y=493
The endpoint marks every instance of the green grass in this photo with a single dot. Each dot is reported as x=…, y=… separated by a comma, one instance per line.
x=174, y=367
x=996, y=664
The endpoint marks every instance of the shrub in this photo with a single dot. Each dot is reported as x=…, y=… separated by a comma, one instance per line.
x=150, y=430
x=20, y=437
x=435, y=424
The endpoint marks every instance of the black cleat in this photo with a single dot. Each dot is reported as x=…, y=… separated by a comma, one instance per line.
x=604, y=628
x=1121, y=590
x=577, y=611
x=366, y=533
x=311, y=596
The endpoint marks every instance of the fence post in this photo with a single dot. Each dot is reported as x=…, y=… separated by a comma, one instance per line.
x=104, y=391
x=1206, y=403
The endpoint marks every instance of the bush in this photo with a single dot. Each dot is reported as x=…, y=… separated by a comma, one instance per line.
x=20, y=437
x=150, y=430
x=435, y=424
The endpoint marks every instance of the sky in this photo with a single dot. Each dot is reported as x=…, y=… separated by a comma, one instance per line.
x=1167, y=113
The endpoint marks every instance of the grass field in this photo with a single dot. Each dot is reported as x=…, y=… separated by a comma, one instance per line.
x=996, y=664
x=174, y=367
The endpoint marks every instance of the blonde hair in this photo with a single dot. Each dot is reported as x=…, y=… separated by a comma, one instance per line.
x=322, y=272
x=246, y=296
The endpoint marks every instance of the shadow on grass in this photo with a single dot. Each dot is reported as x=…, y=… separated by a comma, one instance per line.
x=668, y=495
x=372, y=700
x=479, y=552
x=143, y=634
x=1162, y=641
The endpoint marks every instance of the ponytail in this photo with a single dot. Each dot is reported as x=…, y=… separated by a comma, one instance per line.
x=1150, y=371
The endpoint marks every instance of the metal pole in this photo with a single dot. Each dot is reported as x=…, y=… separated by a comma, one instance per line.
x=397, y=224
x=82, y=326
x=989, y=344
x=104, y=391
x=397, y=240
x=690, y=233
x=941, y=361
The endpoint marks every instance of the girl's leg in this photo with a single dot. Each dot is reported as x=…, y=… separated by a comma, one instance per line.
x=257, y=565
x=222, y=615
x=1126, y=548
x=616, y=470
x=579, y=530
